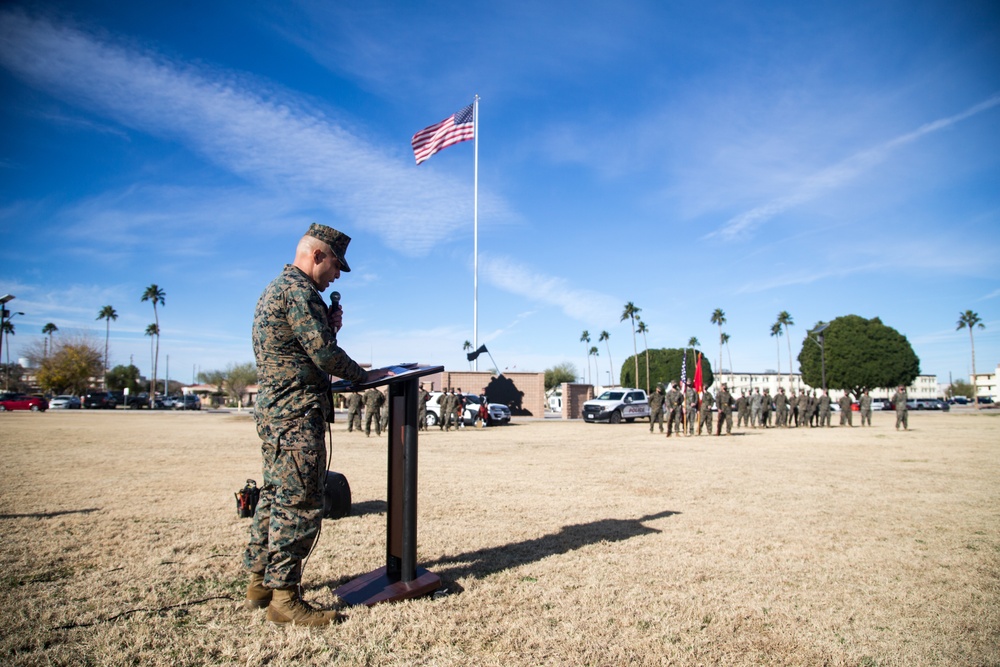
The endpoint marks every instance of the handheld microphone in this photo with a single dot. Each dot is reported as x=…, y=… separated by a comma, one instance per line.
x=335, y=300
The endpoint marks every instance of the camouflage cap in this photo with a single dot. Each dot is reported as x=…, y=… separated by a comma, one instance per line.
x=337, y=241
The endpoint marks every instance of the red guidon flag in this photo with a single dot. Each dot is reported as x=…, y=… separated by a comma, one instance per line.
x=454, y=129
x=698, y=382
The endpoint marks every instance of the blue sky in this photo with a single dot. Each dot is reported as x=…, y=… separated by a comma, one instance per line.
x=821, y=158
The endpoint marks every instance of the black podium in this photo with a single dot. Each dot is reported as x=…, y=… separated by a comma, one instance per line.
x=400, y=579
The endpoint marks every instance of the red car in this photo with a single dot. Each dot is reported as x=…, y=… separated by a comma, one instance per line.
x=22, y=402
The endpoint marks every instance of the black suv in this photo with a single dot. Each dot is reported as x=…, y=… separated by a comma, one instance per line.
x=100, y=399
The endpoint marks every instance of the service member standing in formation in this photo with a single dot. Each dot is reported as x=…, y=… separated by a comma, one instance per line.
x=756, y=406
x=673, y=401
x=458, y=408
x=725, y=402
x=902, y=412
x=353, y=411
x=742, y=409
x=865, y=404
x=824, y=409
x=781, y=408
x=691, y=409
x=384, y=410
x=373, y=401
x=422, y=398
x=846, y=416
x=705, y=412
x=765, y=408
x=295, y=347
x=793, y=408
x=444, y=400
x=656, y=408
x=803, y=408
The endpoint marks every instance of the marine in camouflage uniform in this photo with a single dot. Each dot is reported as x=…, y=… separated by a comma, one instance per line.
x=781, y=408
x=444, y=400
x=902, y=411
x=458, y=408
x=756, y=403
x=422, y=399
x=793, y=409
x=673, y=400
x=384, y=418
x=742, y=409
x=725, y=401
x=295, y=347
x=691, y=409
x=765, y=408
x=865, y=403
x=846, y=414
x=656, y=401
x=824, y=409
x=373, y=402
x=353, y=411
x=705, y=412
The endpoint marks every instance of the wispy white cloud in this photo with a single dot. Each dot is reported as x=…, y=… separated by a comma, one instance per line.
x=838, y=175
x=583, y=305
x=270, y=140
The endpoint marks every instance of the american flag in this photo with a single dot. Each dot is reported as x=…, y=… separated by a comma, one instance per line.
x=454, y=129
x=684, y=363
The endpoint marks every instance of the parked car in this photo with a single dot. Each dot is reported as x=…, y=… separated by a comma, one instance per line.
x=616, y=405
x=104, y=400
x=881, y=404
x=170, y=401
x=15, y=401
x=940, y=405
x=188, y=402
x=65, y=402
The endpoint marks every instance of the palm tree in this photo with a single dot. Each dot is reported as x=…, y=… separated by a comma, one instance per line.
x=630, y=312
x=971, y=320
x=642, y=328
x=719, y=317
x=152, y=331
x=605, y=336
x=466, y=346
x=786, y=321
x=48, y=330
x=725, y=341
x=776, y=331
x=593, y=352
x=107, y=314
x=156, y=295
x=585, y=339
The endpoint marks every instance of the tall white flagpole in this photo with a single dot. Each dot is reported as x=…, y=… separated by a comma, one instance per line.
x=475, y=233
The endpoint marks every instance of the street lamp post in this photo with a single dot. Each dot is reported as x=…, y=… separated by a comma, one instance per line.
x=818, y=333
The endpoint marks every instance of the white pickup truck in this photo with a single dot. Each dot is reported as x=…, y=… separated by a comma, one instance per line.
x=617, y=405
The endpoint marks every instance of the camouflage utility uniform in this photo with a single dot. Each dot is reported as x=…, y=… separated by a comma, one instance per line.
x=656, y=409
x=725, y=402
x=296, y=351
x=373, y=401
x=824, y=409
x=866, y=408
x=354, y=412
x=902, y=412
x=846, y=416
x=705, y=413
x=691, y=409
x=673, y=400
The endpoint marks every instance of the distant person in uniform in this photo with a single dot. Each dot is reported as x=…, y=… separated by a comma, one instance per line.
x=824, y=409
x=373, y=401
x=384, y=410
x=656, y=408
x=756, y=406
x=674, y=399
x=742, y=409
x=846, y=414
x=725, y=402
x=705, y=412
x=691, y=409
x=422, y=398
x=444, y=401
x=902, y=411
x=765, y=408
x=865, y=405
x=781, y=408
x=353, y=411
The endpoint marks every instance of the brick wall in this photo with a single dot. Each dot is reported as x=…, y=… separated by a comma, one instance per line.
x=573, y=398
x=524, y=393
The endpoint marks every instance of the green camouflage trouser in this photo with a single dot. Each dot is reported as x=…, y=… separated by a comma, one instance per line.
x=290, y=509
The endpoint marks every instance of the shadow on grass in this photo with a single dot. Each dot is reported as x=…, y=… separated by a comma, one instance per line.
x=369, y=507
x=484, y=562
x=48, y=515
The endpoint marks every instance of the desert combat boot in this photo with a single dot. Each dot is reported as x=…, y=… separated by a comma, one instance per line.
x=258, y=596
x=287, y=608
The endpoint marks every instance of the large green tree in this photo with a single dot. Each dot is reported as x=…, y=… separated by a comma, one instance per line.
x=124, y=377
x=859, y=354
x=555, y=376
x=665, y=367
x=70, y=367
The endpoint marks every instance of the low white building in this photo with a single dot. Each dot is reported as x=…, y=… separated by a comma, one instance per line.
x=986, y=384
x=924, y=386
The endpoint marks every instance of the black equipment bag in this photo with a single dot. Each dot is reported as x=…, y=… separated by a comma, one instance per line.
x=246, y=499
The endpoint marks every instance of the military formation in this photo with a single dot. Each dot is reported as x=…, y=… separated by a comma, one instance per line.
x=687, y=411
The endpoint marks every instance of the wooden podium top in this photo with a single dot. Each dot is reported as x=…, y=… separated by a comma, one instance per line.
x=397, y=373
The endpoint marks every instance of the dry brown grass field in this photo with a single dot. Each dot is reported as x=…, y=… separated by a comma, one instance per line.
x=558, y=543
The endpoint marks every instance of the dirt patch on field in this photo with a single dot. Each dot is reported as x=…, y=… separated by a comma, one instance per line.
x=558, y=543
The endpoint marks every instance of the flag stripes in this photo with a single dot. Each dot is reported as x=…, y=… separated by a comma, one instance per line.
x=454, y=129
